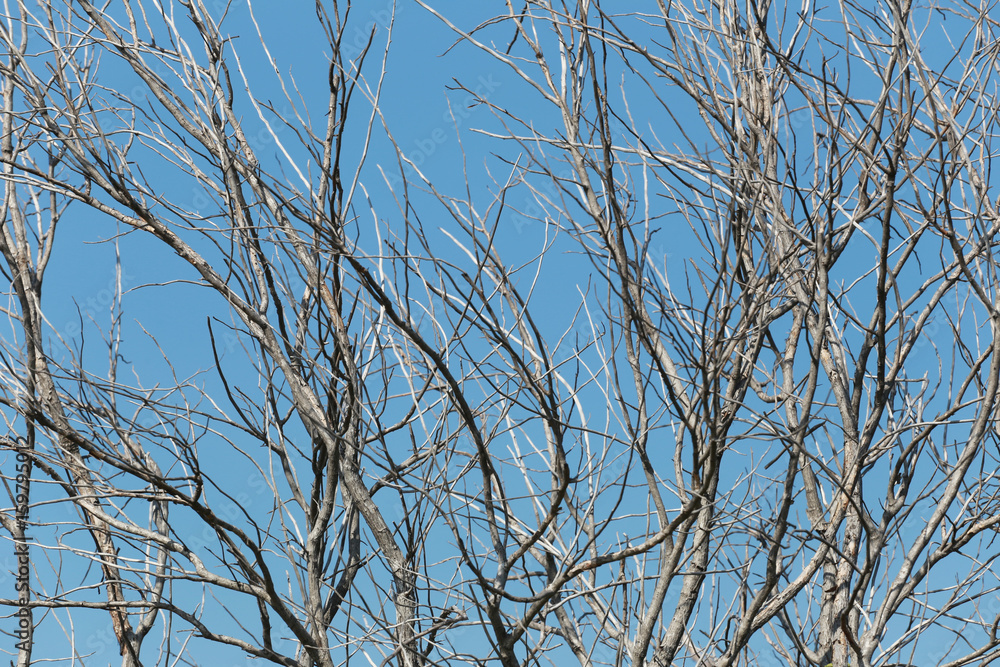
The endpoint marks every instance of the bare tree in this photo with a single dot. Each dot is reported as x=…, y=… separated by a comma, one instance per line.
x=525, y=432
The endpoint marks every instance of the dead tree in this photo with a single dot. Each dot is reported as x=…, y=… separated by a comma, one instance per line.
x=706, y=375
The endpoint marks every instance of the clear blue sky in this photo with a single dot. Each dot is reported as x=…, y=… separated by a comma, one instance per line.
x=422, y=110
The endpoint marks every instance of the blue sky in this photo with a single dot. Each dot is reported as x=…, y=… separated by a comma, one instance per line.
x=435, y=125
